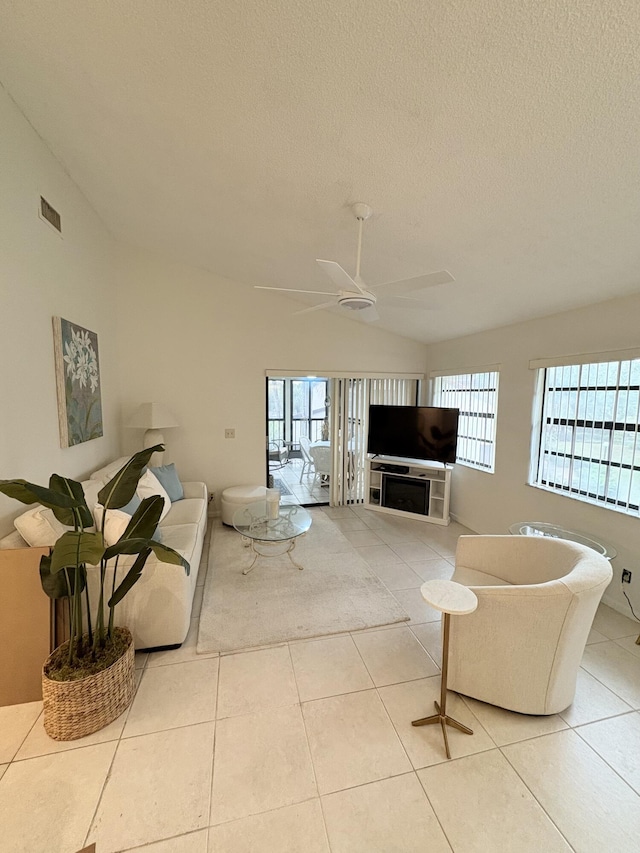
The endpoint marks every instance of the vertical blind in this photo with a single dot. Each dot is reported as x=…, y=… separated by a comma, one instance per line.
x=354, y=396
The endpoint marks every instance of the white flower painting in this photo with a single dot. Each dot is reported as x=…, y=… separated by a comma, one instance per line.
x=78, y=383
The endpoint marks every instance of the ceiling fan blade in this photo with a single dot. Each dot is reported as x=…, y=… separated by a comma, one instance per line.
x=292, y=290
x=406, y=302
x=314, y=308
x=410, y=285
x=369, y=315
x=340, y=277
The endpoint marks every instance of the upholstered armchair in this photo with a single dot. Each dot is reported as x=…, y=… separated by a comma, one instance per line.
x=537, y=597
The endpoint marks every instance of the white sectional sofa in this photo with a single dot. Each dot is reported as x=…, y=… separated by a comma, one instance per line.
x=158, y=608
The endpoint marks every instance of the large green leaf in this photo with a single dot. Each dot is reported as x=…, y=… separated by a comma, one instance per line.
x=61, y=584
x=121, y=488
x=73, y=489
x=77, y=548
x=30, y=493
x=136, y=546
x=145, y=519
x=55, y=586
x=19, y=490
x=168, y=555
x=132, y=577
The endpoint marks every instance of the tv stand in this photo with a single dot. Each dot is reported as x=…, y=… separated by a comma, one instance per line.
x=408, y=488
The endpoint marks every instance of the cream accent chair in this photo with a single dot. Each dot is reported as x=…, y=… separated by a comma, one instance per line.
x=537, y=597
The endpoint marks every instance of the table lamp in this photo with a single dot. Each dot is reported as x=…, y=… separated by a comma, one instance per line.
x=153, y=417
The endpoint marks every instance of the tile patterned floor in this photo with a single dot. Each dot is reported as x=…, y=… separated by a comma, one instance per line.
x=308, y=746
x=302, y=488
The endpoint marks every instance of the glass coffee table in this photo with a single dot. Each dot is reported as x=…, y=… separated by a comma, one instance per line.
x=542, y=528
x=255, y=526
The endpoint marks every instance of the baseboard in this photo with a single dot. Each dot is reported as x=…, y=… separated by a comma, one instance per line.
x=619, y=607
x=461, y=521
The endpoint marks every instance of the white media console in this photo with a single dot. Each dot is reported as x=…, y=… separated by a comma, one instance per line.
x=409, y=488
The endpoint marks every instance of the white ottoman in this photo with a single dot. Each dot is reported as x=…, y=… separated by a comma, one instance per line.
x=237, y=496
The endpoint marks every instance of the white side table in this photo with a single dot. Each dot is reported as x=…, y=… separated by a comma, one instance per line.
x=450, y=598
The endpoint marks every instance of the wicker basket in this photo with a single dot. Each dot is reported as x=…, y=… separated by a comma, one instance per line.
x=74, y=709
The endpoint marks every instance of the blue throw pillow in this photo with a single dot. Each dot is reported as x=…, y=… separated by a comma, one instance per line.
x=168, y=477
x=132, y=506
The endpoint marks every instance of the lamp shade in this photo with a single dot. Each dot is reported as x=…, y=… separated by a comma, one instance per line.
x=152, y=416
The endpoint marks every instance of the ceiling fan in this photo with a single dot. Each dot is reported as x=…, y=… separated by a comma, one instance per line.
x=354, y=294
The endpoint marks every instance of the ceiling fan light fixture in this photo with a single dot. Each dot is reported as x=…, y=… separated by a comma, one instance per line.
x=356, y=302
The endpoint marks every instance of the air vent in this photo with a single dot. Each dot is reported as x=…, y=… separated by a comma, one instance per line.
x=50, y=214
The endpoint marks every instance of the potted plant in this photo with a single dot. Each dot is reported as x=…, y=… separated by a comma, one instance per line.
x=89, y=680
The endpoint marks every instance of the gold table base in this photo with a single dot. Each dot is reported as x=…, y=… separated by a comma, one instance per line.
x=441, y=716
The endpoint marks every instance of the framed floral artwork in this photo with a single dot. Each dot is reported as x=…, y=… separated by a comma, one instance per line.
x=77, y=383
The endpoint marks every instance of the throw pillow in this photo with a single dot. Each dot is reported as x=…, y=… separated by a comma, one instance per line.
x=132, y=506
x=115, y=523
x=149, y=485
x=168, y=477
x=39, y=527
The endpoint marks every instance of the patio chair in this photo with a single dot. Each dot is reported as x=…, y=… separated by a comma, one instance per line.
x=321, y=457
x=307, y=461
x=278, y=455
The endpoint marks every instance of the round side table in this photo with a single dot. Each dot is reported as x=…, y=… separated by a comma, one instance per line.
x=451, y=599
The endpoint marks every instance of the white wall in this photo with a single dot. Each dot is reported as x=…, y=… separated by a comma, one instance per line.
x=201, y=344
x=489, y=503
x=44, y=275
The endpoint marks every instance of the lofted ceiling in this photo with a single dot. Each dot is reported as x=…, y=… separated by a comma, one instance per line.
x=494, y=139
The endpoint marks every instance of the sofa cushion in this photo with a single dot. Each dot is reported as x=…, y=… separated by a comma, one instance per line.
x=182, y=538
x=13, y=540
x=187, y=511
x=107, y=472
x=168, y=477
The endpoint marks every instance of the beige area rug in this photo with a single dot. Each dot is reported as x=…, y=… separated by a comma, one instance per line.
x=276, y=602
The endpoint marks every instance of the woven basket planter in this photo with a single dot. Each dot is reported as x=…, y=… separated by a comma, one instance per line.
x=74, y=709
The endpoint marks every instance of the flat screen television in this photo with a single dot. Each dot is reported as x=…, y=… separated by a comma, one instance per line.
x=413, y=432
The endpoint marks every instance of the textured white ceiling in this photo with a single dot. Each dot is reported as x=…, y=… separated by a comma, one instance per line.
x=493, y=138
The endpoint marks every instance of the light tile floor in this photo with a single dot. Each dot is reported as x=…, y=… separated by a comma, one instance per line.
x=307, y=747
x=301, y=487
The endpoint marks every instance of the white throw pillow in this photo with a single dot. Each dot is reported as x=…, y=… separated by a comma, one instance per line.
x=115, y=523
x=149, y=485
x=91, y=489
x=39, y=527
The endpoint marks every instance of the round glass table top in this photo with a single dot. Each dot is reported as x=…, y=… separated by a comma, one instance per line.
x=253, y=522
x=542, y=528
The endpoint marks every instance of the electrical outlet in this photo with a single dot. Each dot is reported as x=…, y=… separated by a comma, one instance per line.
x=626, y=576
x=229, y=433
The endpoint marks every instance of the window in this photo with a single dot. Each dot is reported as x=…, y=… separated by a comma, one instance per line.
x=308, y=408
x=589, y=447
x=276, y=409
x=476, y=395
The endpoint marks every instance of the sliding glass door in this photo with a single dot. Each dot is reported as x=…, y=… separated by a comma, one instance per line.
x=332, y=412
